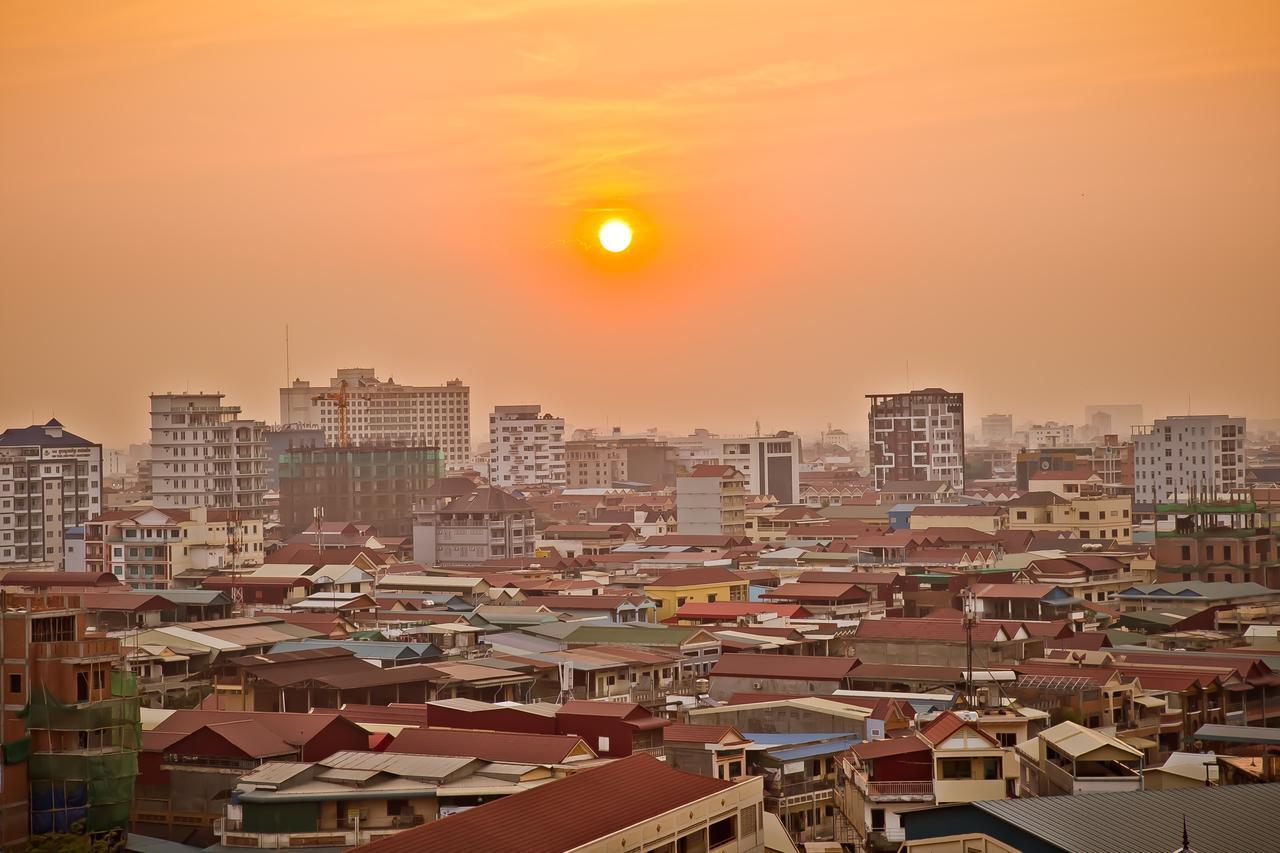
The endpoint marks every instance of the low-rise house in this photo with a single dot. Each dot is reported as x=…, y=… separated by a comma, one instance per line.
x=782, y=714
x=736, y=613
x=715, y=751
x=760, y=673
x=1071, y=759
x=706, y=585
x=942, y=642
x=827, y=600
x=948, y=760
x=1038, y=602
x=613, y=729
x=637, y=803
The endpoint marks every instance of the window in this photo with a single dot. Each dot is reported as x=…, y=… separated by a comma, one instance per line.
x=723, y=831
x=15, y=682
x=1022, y=516
x=990, y=768
x=602, y=744
x=955, y=768
x=1007, y=739
x=1186, y=552
x=711, y=598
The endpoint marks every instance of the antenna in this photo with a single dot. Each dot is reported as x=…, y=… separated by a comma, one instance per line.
x=288, y=372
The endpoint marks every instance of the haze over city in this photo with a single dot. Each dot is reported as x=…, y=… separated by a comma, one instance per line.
x=996, y=193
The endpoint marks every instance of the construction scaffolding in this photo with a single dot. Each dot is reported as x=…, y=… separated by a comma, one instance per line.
x=83, y=759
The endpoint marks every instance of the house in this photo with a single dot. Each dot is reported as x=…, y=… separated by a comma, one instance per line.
x=635, y=803
x=1037, y=602
x=985, y=518
x=613, y=729
x=616, y=608
x=826, y=600
x=948, y=760
x=501, y=747
x=715, y=751
x=736, y=613
x=796, y=675
x=942, y=642
x=1071, y=759
x=705, y=585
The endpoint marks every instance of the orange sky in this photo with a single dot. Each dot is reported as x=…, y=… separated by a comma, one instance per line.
x=1041, y=204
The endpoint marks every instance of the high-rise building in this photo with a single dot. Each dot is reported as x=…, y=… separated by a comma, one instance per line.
x=997, y=428
x=526, y=447
x=1177, y=455
x=917, y=436
x=203, y=453
x=712, y=500
x=375, y=485
x=770, y=463
x=386, y=413
x=50, y=482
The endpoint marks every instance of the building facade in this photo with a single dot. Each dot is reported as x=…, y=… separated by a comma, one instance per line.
x=475, y=526
x=284, y=438
x=376, y=485
x=712, y=501
x=997, y=428
x=917, y=436
x=602, y=463
x=1051, y=434
x=526, y=446
x=50, y=483
x=386, y=413
x=770, y=463
x=1178, y=455
x=203, y=453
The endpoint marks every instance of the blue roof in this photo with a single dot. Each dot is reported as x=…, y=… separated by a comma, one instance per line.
x=36, y=435
x=817, y=749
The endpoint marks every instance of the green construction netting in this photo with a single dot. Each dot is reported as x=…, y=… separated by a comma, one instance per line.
x=95, y=781
x=16, y=751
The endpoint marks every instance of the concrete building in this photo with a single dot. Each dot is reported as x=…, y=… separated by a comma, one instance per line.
x=597, y=463
x=150, y=548
x=376, y=485
x=997, y=428
x=50, y=483
x=281, y=439
x=711, y=501
x=1179, y=454
x=526, y=446
x=203, y=453
x=1051, y=434
x=457, y=524
x=386, y=413
x=1088, y=517
x=917, y=436
x=770, y=463
x=1071, y=759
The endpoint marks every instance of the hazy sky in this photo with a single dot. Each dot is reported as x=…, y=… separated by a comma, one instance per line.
x=1041, y=204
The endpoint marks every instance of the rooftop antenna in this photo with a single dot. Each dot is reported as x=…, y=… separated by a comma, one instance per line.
x=288, y=372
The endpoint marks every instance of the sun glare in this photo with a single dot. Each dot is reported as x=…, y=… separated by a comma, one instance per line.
x=614, y=235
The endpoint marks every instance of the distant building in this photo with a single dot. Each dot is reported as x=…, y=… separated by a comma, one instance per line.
x=917, y=436
x=283, y=438
x=378, y=485
x=1118, y=418
x=1177, y=455
x=602, y=463
x=712, y=501
x=50, y=482
x=386, y=413
x=457, y=524
x=203, y=453
x=526, y=447
x=770, y=463
x=997, y=429
x=1051, y=434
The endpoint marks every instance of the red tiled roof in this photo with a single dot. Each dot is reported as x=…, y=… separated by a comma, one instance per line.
x=1012, y=590
x=891, y=746
x=791, y=667
x=696, y=577
x=733, y=609
x=865, y=578
x=691, y=733
x=713, y=471
x=46, y=579
x=926, y=630
x=561, y=815
x=507, y=747
x=957, y=511
x=816, y=592
x=132, y=602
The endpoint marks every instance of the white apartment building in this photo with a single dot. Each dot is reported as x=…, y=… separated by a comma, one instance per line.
x=50, y=482
x=526, y=447
x=1051, y=434
x=1174, y=455
x=712, y=501
x=386, y=413
x=770, y=463
x=203, y=453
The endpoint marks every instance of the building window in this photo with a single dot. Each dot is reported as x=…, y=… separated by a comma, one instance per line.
x=15, y=682
x=955, y=768
x=723, y=831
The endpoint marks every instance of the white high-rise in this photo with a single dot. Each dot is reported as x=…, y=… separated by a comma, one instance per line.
x=770, y=463
x=1175, y=455
x=526, y=447
x=384, y=413
x=204, y=454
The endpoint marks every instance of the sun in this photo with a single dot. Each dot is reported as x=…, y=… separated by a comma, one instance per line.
x=614, y=235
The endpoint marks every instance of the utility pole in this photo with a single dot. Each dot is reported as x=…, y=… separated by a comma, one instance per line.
x=970, y=616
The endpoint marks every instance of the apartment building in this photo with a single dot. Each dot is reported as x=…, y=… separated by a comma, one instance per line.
x=1051, y=434
x=712, y=501
x=997, y=428
x=1185, y=453
x=457, y=524
x=526, y=446
x=50, y=482
x=603, y=463
x=1083, y=517
x=917, y=436
x=385, y=412
x=150, y=548
x=375, y=485
x=203, y=453
x=770, y=463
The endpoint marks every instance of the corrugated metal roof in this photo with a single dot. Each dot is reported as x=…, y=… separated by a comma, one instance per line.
x=1230, y=819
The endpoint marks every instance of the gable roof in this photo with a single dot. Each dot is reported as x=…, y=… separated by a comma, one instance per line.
x=696, y=577
x=793, y=667
x=506, y=747
x=561, y=815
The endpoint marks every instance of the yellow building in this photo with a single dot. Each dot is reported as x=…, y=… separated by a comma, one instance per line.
x=702, y=585
x=1093, y=517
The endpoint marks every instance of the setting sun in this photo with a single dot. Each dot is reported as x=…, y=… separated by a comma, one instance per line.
x=615, y=235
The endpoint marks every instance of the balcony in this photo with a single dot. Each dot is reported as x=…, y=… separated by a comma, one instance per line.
x=909, y=791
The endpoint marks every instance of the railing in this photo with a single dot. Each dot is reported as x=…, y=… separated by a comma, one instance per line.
x=77, y=649
x=899, y=790
x=655, y=751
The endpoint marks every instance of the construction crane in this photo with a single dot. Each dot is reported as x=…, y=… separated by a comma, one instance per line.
x=339, y=399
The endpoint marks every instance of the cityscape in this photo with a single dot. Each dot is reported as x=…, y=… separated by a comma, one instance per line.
x=640, y=427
